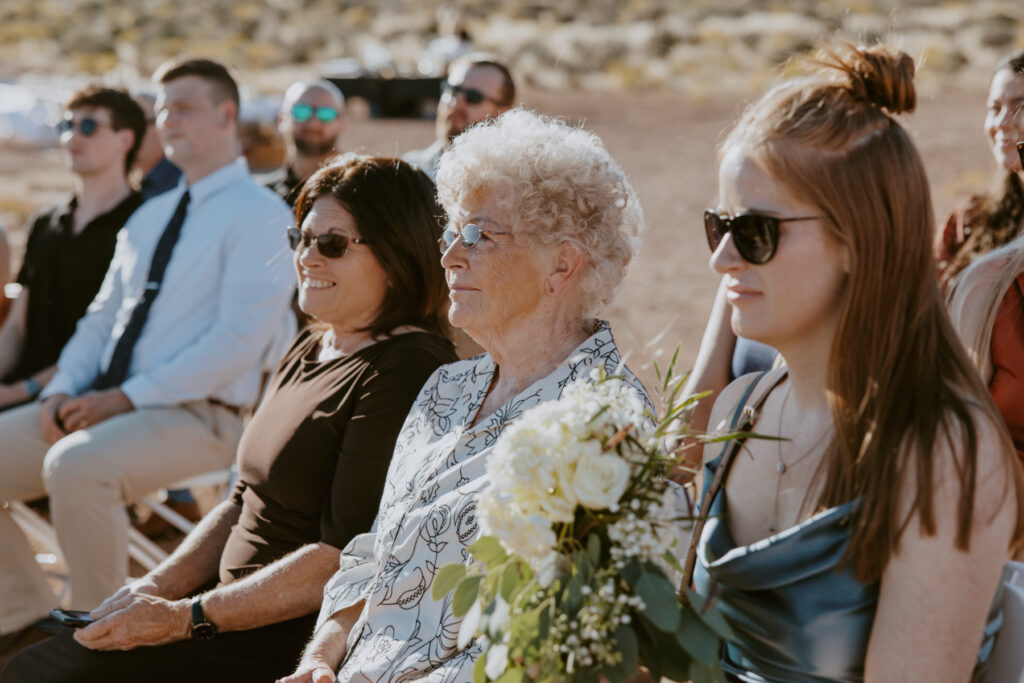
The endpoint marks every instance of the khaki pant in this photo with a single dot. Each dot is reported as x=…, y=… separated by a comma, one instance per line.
x=90, y=475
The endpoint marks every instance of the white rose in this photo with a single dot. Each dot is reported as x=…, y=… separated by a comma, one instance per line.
x=600, y=480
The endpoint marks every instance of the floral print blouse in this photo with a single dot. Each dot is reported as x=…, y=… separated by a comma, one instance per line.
x=427, y=519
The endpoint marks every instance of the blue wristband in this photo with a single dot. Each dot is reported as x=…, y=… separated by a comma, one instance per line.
x=32, y=387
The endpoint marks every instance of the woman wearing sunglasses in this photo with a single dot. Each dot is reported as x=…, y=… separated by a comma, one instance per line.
x=238, y=598
x=865, y=540
x=542, y=224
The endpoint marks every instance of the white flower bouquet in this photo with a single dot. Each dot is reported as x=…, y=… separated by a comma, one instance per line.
x=571, y=577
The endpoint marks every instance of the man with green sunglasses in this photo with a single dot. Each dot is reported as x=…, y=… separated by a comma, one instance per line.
x=311, y=120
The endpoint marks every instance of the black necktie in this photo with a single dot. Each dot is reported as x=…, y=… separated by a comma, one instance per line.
x=117, y=372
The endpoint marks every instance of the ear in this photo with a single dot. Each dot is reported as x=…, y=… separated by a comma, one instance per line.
x=126, y=136
x=846, y=259
x=229, y=112
x=567, y=262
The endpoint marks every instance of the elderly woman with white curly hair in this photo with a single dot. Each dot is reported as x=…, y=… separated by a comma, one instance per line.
x=543, y=224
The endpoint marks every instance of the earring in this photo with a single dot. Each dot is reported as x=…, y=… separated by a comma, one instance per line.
x=549, y=288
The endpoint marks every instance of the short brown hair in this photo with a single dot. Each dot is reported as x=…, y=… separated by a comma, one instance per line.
x=125, y=112
x=394, y=209
x=222, y=85
x=475, y=59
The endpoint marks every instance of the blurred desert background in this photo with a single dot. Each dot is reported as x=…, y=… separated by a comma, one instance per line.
x=659, y=80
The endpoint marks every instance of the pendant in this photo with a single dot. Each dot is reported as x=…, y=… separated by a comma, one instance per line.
x=780, y=468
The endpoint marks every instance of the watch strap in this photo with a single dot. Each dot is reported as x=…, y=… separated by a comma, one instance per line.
x=32, y=387
x=202, y=628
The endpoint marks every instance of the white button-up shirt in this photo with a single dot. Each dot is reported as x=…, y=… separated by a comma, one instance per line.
x=224, y=294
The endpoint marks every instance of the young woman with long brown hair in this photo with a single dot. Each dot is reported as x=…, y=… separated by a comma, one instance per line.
x=867, y=542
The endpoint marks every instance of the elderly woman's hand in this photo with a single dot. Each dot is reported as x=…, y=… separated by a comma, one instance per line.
x=130, y=620
x=312, y=669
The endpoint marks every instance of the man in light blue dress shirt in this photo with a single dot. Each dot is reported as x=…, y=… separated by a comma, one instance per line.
x=194, y=367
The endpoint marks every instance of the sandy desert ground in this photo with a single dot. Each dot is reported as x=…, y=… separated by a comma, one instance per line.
x=667, y=144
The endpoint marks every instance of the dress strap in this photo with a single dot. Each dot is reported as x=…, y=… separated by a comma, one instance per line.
x=743, y=420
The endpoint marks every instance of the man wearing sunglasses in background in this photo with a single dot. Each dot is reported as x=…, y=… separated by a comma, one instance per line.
x=70, y=245
x=311, y=120
x=152, y=386
x=479, y=86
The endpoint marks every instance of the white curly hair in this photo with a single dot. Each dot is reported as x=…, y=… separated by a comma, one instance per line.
x=555, y=182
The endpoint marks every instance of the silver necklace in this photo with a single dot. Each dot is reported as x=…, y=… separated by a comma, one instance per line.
x=782, y=467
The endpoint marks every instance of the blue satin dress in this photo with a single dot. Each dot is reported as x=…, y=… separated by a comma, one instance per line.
x=797, y=613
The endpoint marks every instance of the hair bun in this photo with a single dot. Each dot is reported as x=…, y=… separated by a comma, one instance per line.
x=878, y=75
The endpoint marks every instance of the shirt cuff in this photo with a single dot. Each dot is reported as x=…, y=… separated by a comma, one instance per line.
x=59, y=384
x=145, y=394
x=353, y=582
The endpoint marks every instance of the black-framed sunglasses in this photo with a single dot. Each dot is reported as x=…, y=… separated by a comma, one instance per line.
x=471, y=234
x=304, y=112
x=87, y=126
x=755, y=235
x=472, y=95
x=329, y=244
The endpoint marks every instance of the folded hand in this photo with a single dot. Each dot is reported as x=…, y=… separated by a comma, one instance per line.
x=128, y=620
x=311, y=670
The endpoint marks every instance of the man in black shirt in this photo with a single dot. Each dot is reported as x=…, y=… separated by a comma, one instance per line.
x=70, y=246
x=311, y=120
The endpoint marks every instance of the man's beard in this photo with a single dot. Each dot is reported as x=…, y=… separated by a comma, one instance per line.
x=309, y=148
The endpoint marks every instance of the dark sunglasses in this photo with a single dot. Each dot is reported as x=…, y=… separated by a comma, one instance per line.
x=471, y=233
x=304, y=112
x=330, y=245
x=755, y=235
x=472, y=95
x=87, y=126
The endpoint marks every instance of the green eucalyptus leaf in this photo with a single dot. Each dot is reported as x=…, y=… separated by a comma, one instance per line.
x=673, y=561
x=615, y=674
x=631, y=572
x=701, y=673
x=710, y=615
x=510, y=580
x=573, y=598
x=543, y=622
x=511, y=675
x=488, y=549
x=673, y=661
x=465, y=595
x=480, y=669
x=661, y=607
x=446, y=579
x=594, y=549
x=697, y=638
x=648, y=651
x=626, y=641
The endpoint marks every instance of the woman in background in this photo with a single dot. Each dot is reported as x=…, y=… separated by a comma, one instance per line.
x=985, y=222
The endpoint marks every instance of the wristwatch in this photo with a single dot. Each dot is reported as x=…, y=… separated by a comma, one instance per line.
x=32, y=387
x=202, y=628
